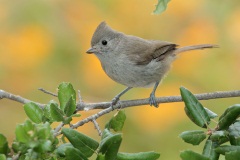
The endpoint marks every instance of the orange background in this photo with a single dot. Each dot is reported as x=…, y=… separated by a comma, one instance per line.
x=43, y=43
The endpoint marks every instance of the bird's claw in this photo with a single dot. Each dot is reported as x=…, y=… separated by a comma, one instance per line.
x=152, y=100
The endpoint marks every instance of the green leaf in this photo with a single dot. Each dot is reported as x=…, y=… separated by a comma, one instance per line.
x=193, y=137
x=194, y=109
x=161, y=6
x=34, y=112
x=228, y=117
x=47, y=110
x=31, y=137
x=190, y=155
x=21, y=134
x=4, y=149
x=74, y=154
x=62, y=148
x=24, y=132
x=80, y=141
x=70, y=107
x=234, y=155
x=56, y=113
x=31, y=155
x=209, y=150
x=116, y=123
x=20, y=147
x=109, y=145
x=65, y=92
x=106, y=133
x=47, y=113
x=67, y=120
x=28, y=125
x=43, y=139
x=210, y=113
x=75, y=115
x=138, y=156
x=2, y=157
x=100, y=157
x=42, y=146
x=219, y=136
x=234, y=133
x=226, y=148
x=44, y=131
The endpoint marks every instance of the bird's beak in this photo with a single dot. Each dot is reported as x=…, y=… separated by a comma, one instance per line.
x=91, y=50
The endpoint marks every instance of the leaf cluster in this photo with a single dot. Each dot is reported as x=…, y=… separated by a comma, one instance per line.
x=226, y=130
x=83, y=147
x=35, y=138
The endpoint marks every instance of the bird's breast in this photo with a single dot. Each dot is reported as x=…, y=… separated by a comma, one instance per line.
x=132, y=75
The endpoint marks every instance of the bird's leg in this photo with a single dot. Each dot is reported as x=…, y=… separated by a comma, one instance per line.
x=152, y=98
x=116, y=98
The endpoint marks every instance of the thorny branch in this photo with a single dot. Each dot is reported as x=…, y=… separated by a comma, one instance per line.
x=106, y=106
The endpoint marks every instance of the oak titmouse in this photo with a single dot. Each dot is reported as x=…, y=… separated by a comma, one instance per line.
x=133, y=61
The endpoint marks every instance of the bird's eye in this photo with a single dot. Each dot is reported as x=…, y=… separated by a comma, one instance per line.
x=104, y=42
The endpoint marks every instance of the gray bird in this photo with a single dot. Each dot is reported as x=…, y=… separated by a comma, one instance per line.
x=134, y=61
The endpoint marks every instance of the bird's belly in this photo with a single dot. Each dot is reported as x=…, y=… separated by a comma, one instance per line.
x=132, y=75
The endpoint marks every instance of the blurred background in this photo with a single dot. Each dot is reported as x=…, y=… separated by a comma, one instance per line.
x=43, y=43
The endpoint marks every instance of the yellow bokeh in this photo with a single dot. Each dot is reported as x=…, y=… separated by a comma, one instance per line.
x=180, y=9
x=25, y=47
x=2, y=12
x=233, y=28
x=159, y=119
x=199, y=32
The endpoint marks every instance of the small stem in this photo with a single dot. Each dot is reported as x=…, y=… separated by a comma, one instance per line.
x=47, y=92
x=79, y=97
x=80, y=103
x=58, y=128
x=97, y=127
x=214, y=121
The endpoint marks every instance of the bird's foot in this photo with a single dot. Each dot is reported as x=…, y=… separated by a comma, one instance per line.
x=152, y=100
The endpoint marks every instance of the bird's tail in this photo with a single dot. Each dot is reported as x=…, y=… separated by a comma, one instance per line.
x=195, y=47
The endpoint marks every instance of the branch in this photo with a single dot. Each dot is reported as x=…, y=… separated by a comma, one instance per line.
x=167, y=99
x=106, y=106
x=128, y=103
x=58, y=128
x=7, y=95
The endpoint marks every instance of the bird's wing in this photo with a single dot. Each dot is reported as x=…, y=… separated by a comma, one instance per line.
x=163, y=49
x=141, y=51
